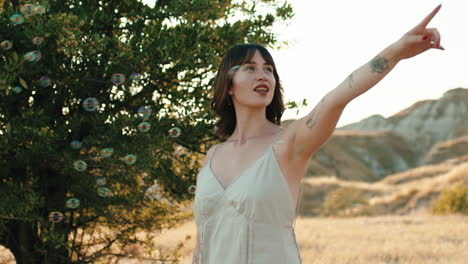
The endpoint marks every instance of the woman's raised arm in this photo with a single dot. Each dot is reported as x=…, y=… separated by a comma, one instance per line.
x=313, y=130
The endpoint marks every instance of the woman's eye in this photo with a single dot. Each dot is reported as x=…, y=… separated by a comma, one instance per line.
x=269, y=69
x=250, y=68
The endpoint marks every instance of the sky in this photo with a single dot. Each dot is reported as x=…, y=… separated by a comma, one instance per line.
x=330, y=39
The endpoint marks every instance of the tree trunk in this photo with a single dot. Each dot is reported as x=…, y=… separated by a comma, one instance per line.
x=25, y=244
x=21, y=241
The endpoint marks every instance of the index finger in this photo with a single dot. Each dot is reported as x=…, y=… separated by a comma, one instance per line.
x=430, y=16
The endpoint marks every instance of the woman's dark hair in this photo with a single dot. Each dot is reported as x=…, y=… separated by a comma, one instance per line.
x=222, y=103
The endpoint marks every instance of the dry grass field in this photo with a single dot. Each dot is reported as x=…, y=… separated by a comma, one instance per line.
x=414, y=239
x=403, y=232
x=417, y=239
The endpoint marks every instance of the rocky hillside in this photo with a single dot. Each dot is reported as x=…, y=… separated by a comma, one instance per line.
x=425, y=123
x=362, y=156
x=450, y=150
x=401, y=193
x=428, y=132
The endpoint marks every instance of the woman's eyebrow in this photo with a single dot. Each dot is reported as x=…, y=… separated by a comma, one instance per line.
x=253, y=62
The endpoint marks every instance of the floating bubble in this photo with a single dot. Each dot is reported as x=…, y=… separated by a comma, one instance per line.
x=40, y=10
x=17, y=89
x=55, y=217
x=144, y=127
x=233, y=70
x=6, y=44
x=107, y=152
x=72, y=203
x=153, y=192
x=104, y=192
x=27, y=9
x=33, y=56
x=17, y=19
x=37, y=40
x=45, y=81
x=135, y=76
x=192, y=189
x=174, y=132
x=180, y=150
x=101, y=182
x=76, y=144
x=37, y=54
x=144, y=112
x=29, y=56
x=90, y=104
x=80, y=165
x=129, y=159
x=118, y=78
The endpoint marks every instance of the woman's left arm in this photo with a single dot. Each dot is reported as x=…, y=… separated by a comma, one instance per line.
x=313, y=130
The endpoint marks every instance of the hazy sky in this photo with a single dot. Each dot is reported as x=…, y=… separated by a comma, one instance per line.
x=330, y=39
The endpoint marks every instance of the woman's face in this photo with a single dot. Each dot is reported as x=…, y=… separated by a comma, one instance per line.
x=251, y=76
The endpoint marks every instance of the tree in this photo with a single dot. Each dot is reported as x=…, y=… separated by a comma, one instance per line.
x=104, y=109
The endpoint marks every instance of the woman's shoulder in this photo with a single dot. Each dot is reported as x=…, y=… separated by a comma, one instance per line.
x=209, y=153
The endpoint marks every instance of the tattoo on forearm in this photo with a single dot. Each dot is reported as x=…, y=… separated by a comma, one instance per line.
x=310, y=123
x=379, y=64
x=350, y=80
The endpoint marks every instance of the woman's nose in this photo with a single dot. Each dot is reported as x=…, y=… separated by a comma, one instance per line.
x=262, y=75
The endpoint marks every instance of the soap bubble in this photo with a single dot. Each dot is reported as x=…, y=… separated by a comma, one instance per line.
x=135, y=76
x=40, y=10
x=233, y=70
x=37, y=55
x=153, y=192
x=17, y=89
x=107, y=152
x=72, y=203
x=45, y=81
x=90, y=104
x=80, y=165
x=27, y=9
x=144, y=127
x=118, y=78
x=55, y=217
x=144, y=112
x=174, y=132
x=129, y=159
x=33, y=56
x=192, y=189
x=76, y=144
x=101, y=182
x=17, y=19
x=6, y=44
x=104, y=192
x=29, y=56
x=37, y=40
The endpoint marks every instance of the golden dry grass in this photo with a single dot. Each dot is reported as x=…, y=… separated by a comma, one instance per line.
x=417, y=239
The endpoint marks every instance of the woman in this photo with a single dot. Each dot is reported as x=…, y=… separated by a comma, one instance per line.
x=249, y=185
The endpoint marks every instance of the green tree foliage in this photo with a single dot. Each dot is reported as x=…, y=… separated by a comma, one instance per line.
x=452, y=201
x=175, y=47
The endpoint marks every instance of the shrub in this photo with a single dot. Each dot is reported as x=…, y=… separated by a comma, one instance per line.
x=453, y=200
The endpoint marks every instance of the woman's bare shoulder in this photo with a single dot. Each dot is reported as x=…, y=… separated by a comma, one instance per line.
x=208, y=155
